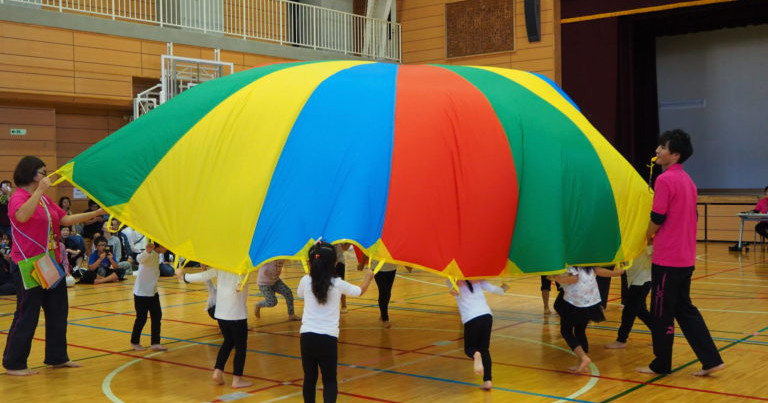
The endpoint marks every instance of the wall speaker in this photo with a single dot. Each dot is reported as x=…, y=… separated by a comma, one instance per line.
x=533, y=20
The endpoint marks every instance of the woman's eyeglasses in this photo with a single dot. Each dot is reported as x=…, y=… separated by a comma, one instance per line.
x=43, y=172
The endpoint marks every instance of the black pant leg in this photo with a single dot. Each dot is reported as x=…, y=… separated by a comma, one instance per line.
x=56, y=308
x=634, y=304
x=328, y=361
x=141, y=304
x=310, y=366
x=664, y=285
x=762, y=228
x=483, y=327
x=604, y=285
x=240, y=334
x=226, y=345
x=24, y=324
x=156, y=313
x=693, y=326
x=319, y=351
x=384, y=281
x=580, y=332
x=643, y=314
x=567, y=331
x=546, y=284
x=624, y=288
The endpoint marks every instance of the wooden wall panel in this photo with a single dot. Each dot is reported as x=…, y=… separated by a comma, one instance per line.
x=32, y=48
x=423, y=39
x=35, y=33
x=99, y=41
x=35, y=132
x=720, y=220
x=39, y=140
x=78, y=129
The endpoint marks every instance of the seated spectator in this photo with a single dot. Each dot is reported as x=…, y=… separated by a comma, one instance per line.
x=92, y=249
x=166, y=264
x=126, y=254
x=5, y=195
x=102, y=267
x=114, y=244
x=6, y=281
x=92, y=226
x=74, y=246
x=762, y=208
x=138, y=242
x=66, y=204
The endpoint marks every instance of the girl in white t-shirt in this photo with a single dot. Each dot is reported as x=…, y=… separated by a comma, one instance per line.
x=578, y=304
x=322, y=293
x=232, y=313
x=145, y=297
x=478, y=322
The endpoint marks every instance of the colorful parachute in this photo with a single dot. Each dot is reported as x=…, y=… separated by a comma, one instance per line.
x=465, y=171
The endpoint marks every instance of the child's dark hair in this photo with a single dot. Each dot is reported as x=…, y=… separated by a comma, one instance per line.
x=677, y=141
x=469, y=285
x=322, y=260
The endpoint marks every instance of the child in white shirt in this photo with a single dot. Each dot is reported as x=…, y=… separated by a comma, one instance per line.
x=319, y=332
x=578, y=304
x=639, y=281
x=145, y=297
x=232, y=313
x=478, y=322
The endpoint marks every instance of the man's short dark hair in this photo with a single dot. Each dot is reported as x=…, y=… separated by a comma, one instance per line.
x=678, y=142
x=99, y=240
x=26, y=170
x=4, y=182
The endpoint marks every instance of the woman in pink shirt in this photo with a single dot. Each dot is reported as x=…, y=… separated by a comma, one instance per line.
x=762, y=208
x=32, y=214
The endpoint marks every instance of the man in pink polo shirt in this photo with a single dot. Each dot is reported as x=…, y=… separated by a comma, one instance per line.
x=672, y=231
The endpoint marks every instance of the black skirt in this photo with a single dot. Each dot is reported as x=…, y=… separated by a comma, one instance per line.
x=592, y=313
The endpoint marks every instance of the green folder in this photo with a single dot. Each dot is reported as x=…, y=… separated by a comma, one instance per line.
x=26, y=267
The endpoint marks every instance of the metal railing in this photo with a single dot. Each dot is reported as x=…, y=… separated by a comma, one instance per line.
x=278, y=21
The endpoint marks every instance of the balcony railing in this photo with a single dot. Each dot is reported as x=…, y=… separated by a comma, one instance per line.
x=276, y=21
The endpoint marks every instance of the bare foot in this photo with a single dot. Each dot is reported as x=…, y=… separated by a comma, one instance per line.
x=137, y=347
x=344, y=309
x=487, y=385
x=294, y=317
x=478, y=364
x=158, y=347
x=707, y=372
x=646, y=370
x=21, y=372
x=386, y=324
x=616, y=345
x=582, y=367
x=547, y=311
x=68, y=364
x=257, y=312
x=239, y=382
x=218, y=377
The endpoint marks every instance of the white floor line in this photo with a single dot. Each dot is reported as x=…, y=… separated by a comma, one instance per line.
x=106, y=384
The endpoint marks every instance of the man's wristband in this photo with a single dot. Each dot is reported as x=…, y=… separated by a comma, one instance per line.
x=184, y=277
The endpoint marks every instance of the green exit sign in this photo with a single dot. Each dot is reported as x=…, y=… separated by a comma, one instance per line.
x=18, y=132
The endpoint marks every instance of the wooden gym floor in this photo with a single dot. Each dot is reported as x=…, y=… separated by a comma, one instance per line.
x=419, y=359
